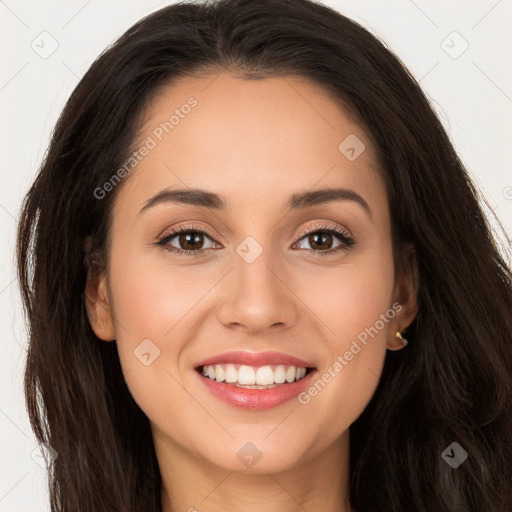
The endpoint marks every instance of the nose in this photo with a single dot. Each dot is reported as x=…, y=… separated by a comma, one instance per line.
x=258, y=297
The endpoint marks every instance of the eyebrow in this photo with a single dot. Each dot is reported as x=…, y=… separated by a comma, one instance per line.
x=210, y=200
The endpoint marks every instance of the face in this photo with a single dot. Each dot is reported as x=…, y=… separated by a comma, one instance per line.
x=280, y=282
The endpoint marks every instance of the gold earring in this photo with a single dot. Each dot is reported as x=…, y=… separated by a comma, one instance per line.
x=403, y=342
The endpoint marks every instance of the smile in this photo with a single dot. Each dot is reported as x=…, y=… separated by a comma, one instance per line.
x=254, y=377
x=255, y=381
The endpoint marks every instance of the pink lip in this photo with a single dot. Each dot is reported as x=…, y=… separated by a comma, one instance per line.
x=256, y=399
x=255, y=359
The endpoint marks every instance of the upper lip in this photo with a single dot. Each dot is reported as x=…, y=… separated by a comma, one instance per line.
x=255, y=359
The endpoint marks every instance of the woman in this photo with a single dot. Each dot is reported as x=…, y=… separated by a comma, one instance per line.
x=257, y=277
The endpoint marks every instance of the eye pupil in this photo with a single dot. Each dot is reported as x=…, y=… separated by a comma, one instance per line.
x=187, y=237
x=319, y=235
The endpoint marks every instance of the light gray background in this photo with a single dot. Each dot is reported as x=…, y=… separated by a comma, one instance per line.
x=472, y=94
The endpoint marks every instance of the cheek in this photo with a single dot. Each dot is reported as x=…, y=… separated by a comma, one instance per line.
x=351, y=297
x=150, y=300
x=152, y=304
x=355, y=313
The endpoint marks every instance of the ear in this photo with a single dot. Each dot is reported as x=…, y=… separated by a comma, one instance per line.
x=98, y=306
x=405, y=293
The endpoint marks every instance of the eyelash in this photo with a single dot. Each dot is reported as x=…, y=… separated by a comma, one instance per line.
x=347, y=241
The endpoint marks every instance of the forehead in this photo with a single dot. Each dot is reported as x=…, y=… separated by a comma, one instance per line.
x=253, y=141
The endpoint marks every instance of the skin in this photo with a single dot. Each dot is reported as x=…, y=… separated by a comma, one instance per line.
x=256, y=143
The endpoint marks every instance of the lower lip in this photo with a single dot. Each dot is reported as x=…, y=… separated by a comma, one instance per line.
x=256, y=399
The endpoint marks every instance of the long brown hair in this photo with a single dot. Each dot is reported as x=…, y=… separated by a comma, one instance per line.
x=453, y=383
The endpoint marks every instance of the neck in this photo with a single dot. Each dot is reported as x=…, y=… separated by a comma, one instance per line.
x=191, y=484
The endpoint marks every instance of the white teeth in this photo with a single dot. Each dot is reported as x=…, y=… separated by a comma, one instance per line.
x=290, y=374
x=264, y=376
x=219, y=373
x=231, y=373
x=280, y=374
x=244, y=375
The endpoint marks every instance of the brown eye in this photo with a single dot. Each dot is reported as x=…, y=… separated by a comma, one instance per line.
x=190, y=240
x=186, y=241
x=321, y=240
